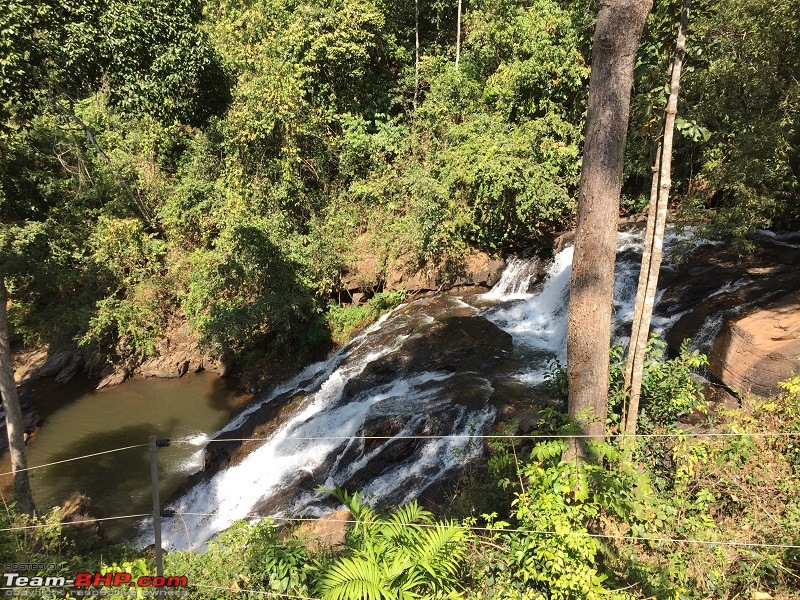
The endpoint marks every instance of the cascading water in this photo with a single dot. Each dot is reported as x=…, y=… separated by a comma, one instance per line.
x=429, y=369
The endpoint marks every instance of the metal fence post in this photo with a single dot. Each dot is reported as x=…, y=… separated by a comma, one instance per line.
x=154, y=444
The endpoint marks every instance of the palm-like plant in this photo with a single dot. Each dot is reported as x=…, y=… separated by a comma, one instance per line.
x=401, y=556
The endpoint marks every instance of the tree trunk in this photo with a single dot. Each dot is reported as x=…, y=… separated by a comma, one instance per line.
x=458, y=34
x=619, y=27
x=641, y=290
x=14, y=423
x=653, y=247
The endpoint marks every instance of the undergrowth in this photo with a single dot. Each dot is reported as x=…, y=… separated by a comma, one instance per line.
x=707, y=517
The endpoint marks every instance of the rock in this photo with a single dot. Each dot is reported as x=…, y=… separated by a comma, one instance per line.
x=31, y=419
x=365, y=274
x=715, y=285
x=72, y=369
x=87, y=537
x=166, y=367
x=329, y=531
x=481, y=269
x=421, y=281
x=464, y=350
x=111, y=377
x=563, y=241
x=29, y=364
x=57, y=362
x=505, y=412
x=358, y=298
x=178, y=354
x=757, y=350
x=529, y=420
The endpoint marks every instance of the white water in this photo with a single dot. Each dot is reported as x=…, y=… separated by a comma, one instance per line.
x=518, y=277
x=323, y=439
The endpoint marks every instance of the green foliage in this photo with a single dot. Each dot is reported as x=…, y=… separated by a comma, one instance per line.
x=668, y=387
x=402, y=555
x=246, y=556
x=736, y=149
x=345, y=320
x=244, y=294
x=554, y=554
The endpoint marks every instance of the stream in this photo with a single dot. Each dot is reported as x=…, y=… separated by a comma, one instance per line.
x=391, y=414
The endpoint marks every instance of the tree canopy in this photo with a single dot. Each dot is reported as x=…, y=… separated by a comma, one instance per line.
x=223, y=163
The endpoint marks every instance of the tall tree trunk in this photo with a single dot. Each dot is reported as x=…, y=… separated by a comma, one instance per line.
x=14, y=423
x=654, y=240
x=458, y=35
x=619, y=27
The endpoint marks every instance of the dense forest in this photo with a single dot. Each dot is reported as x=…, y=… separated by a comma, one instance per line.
x=221, y=167
x=224, y=164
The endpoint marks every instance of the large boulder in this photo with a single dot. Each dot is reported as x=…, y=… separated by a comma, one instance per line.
x=178, y=354
x=759, y=348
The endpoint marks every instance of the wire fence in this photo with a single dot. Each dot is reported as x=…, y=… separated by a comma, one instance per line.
x=70, y=523
x=509, y=530
x=194, y=442
x=548, y=436
x=66, y=460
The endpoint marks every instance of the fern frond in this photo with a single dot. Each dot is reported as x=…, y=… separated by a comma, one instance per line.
x=354, y=578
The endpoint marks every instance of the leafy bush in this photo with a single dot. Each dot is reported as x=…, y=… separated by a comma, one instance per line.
x=246, y=556
x=668, y=388
x=558, y=507
x=405, y=554
x=345, y=320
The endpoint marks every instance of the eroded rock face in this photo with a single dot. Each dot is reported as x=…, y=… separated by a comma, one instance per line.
x=740, y=310
x=479, y=269
x=760, y=348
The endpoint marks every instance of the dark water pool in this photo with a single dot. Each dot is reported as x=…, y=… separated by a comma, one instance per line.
x=79, y=420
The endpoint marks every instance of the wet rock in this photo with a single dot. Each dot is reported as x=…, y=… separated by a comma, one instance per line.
x=454, y=344
x=698, y=289
x=760, y=348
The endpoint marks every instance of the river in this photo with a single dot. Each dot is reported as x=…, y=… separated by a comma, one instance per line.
x=79, y=420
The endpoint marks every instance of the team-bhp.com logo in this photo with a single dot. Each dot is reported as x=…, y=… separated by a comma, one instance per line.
x=88, y=580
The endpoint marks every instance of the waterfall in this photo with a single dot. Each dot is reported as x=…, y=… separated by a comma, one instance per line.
x=518, y=277
x=403, y=376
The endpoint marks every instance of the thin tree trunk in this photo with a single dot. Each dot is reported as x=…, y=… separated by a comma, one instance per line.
x=90, y=136
x=416, y=52
x=14, y=423
x=648, y=276
x=458, y=35
x=619, y=27
x=641, y=289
